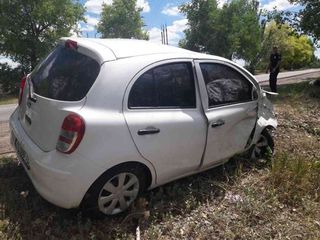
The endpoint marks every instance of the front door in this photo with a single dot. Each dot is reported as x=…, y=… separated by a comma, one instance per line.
x=230, y=104
x=163, y=112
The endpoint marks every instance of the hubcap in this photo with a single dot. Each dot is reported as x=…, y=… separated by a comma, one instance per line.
x=261, y=145
x=118, y=193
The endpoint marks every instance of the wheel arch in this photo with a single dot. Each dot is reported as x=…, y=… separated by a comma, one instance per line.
x=262, y=125
x=130, y=165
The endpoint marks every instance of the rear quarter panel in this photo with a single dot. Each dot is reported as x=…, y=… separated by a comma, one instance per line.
x=107, y=141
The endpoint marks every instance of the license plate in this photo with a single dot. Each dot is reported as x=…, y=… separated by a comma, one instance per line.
x=22, y=155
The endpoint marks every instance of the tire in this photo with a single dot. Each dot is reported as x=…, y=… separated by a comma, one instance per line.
x=264, y=146
x=114, y=191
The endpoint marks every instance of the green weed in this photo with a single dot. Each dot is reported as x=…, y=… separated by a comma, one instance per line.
x=295, y=178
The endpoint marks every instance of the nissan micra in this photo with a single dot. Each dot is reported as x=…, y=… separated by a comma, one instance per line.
x=101, y=120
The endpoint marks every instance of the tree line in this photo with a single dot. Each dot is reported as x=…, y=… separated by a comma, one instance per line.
x=240, y=30
x=29, y=29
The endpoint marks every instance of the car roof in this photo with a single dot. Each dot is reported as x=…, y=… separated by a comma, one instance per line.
x=124, y=48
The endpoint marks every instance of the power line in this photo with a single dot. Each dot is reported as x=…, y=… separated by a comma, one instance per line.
x=164, y=34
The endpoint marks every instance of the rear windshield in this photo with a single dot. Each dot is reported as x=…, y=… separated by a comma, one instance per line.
x=65, y=75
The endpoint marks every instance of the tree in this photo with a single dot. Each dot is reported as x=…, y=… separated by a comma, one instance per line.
x=246, y=32
x=310, y=17
x=230, y=31
x=30, y=28
x=297, y=50
x=10, y=78
x=122, y=19
x=201, y=34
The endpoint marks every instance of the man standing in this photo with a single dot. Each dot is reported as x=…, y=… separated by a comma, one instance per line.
x=274, y=68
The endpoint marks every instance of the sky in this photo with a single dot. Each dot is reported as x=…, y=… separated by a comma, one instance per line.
x=159, y=12
x=155, y=14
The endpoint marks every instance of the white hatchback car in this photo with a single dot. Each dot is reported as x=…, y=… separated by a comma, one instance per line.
x=100, y=120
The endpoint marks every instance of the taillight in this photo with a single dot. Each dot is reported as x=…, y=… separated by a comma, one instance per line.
x=71, y=133
x=22, y=85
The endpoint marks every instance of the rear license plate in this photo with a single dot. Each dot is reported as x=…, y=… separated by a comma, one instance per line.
x=21, y=153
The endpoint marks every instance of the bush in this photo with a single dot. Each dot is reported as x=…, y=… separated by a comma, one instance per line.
x=10, y=78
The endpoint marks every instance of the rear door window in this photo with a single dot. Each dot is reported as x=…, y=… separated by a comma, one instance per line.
x=65, y=75
x=166, y=86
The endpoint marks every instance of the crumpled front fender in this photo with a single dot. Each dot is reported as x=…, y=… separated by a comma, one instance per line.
x=266, y=118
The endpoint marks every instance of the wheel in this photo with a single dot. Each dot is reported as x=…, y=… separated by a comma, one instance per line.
x=114, y=191
x=263, y=146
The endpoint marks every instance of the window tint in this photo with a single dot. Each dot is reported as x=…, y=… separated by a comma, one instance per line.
x=143, y=91
x=225, y=85
x=65, y=75
x=170, y=85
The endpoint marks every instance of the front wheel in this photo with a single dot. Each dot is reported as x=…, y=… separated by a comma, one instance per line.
x=114, y=191
x=264, y=146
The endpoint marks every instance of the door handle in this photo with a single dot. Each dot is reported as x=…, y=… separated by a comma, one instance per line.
x=148, y=130
x=217, y=123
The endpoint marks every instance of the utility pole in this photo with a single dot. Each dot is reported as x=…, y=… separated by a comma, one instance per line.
x=164, y=34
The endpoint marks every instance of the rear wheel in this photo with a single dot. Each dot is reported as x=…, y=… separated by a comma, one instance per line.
x=264, y=146
x=114, y=191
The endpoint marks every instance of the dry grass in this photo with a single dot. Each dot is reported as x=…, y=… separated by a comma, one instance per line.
x=263, y=199
x=8, y=100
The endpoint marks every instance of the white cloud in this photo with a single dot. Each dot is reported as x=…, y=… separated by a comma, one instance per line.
x=89, y=26
x=144, y=4
x=178, y=25
x=95, y=6
x=170, y=10
x=175, y=32
x=221, y=3
x=317, y=53
x=240, y=62
x=92, y=21
x=279, y=4
x=9, y=61
x=155, y=35
x=74, y=32
x=86, y=28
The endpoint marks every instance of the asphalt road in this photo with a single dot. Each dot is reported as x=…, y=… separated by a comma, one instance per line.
x=7, y=110
x=265, y=77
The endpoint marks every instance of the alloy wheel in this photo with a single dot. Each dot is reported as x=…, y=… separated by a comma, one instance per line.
x=118, y=193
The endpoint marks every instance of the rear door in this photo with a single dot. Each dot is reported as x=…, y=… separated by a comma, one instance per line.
x=163, y=112
x=57, y=86
x=230, y=103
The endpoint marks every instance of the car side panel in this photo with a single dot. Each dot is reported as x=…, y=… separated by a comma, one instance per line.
x=178, y=147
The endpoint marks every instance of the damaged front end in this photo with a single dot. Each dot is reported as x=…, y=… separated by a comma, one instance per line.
x=266, y=114
x=262, y=138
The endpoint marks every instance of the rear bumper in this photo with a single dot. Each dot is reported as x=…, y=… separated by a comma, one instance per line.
x=53, y=174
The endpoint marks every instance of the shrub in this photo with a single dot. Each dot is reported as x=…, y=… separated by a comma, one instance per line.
x=295, y=178
x=10, y=78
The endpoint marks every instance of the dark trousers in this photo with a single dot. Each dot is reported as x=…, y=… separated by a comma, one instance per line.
x=273, y=80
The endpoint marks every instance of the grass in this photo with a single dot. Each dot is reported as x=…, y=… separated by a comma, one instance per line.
x=8, y=100
x=275, y=198
x=296, y=178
